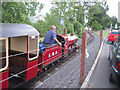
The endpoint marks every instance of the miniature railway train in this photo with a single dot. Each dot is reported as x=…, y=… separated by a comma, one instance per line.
x=21, y=55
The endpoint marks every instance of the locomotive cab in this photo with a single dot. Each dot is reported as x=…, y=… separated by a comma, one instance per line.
x=45, y=46
x=68, y=42
x=64, y=40
x=61, y=40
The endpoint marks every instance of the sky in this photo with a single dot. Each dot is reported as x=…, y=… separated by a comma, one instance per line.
x=113, y=7
x=47, y=6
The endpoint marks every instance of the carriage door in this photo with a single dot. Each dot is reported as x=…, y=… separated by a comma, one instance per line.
x=33, y=53
x=4, y=71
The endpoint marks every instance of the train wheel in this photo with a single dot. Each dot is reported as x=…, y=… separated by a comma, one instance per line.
x=58, y=61
x=38, y=73
x=43, y=70
x=52, y=64
x=46, y=68
x=49, y=66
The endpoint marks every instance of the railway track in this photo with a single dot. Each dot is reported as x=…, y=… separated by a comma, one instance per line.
x=51, y=69
x=91, y=37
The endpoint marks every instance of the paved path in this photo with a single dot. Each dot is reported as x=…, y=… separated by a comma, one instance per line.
x=100, y=77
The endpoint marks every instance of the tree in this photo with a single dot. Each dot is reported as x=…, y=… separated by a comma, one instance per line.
x=96, y=26
x=78, y=28
x=97, y=14
x=80, y=14
x=19, y=12
x=106, y=22
x=118, y=25
x=51, y=19
x=70, y=12
x=42, y=27
x=113, y=21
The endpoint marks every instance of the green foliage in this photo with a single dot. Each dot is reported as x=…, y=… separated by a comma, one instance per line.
x=80, y=14
x=78, y=28
x=44, y=26
x=118, y=25
x=113, y=21
x=53, y=20
x=19, y=12
x=70, y=12
x=73, y=14
x=106, y=22
x=97, y=15
x=96, y=12
x=96, y=26
x=41, y=26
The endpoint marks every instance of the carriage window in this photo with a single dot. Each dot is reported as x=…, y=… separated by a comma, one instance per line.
x=33, y=47
x=2, y=53
x=18, y=45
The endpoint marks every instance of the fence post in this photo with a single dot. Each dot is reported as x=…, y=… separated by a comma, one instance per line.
x=83, y=56
x=101, y=32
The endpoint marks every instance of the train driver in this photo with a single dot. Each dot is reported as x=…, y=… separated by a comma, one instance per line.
x=50, y=37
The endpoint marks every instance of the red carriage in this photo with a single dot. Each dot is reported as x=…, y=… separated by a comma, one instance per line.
x=16, y=61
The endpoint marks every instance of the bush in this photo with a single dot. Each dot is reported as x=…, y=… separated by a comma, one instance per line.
x=78, y=28
x=96, y=26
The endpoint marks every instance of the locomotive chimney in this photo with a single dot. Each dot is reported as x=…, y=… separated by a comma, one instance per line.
x=65, y=31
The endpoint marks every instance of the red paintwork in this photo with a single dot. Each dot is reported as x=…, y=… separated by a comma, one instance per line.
x=4, y=84
x=70, y=39
x=66, y=46
x=40, y=63
x=68, y=42
x=45, y=57
x=31, y=73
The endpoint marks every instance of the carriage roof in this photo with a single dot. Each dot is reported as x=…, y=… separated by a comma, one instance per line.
x=14, y=30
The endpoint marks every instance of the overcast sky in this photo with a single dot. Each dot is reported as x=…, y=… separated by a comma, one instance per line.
x=113, y=7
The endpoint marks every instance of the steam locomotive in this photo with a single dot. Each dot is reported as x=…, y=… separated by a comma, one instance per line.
x=23, y=57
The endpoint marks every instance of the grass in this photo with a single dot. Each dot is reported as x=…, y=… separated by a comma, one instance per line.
x=105, y=33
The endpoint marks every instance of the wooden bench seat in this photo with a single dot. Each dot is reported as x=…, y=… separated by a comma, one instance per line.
x=17, y=63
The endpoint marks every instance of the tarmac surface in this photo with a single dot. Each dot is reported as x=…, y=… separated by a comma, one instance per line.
x=100, y=77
